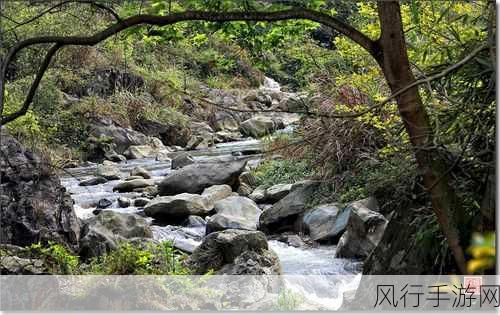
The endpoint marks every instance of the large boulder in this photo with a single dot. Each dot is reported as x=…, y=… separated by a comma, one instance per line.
x=234, y=213
x=103, y=232
x=222, y=248
x=181, y=205
x=169, y=134
x=283, y=215
x=196, y=177
x=260, y=126
x=34, y=206
x=365, y=229
x=122, y=138
x=326, y=223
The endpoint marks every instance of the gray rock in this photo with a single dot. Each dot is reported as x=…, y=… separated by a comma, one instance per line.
x=122, y=138
x=93, y=181
x=149, y=192
x=259, y=194
x=200, y=128
x=265, y=262
x=227, y=136
x=234, y=213
x=169, y=134
x=217, y=192
x=140, y=171
x=283, y=214
x=277, y=192
x=201, y=142
x=194, y=221
x=326, y=222
x=202, y=136
x=182, y=159
x=130, y=185
x=103, y=232
x=133, y=177
x=104, y=203
x=124, y=202
x=34, y=206
x=178, y=206
x=13, y=265
x=196, y=177
x=141, y=202
x=365, y=229
x=292, y=240
x=108, y=171
x=293, y=104
x=225, y=121
x=258, y=96
x=145, y=151
x=221, y=248
x=258, y=126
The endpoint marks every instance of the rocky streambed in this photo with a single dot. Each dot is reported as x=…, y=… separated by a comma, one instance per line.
x=200, y=195
x=188, y=231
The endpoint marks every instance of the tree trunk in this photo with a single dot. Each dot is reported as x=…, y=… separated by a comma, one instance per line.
x=396, y=67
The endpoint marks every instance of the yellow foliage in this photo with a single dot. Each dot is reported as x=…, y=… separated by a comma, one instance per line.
x=483, y=252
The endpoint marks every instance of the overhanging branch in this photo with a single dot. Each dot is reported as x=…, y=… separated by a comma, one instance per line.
x=60, y=41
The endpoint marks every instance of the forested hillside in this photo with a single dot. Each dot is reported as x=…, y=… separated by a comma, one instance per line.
x=213, y=136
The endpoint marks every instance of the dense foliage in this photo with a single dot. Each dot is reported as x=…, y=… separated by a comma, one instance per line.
x=356, y=158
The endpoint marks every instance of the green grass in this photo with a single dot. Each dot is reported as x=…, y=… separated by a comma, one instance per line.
x=274, y=172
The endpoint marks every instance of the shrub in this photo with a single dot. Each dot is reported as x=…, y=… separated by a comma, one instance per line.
x=281, y=171
x=56, y=257
x=337, y=145
x=160, y=259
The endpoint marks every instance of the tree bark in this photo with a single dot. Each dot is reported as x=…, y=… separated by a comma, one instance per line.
x=396, y=67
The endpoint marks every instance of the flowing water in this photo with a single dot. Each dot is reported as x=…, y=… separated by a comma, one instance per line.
x=305, y=264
